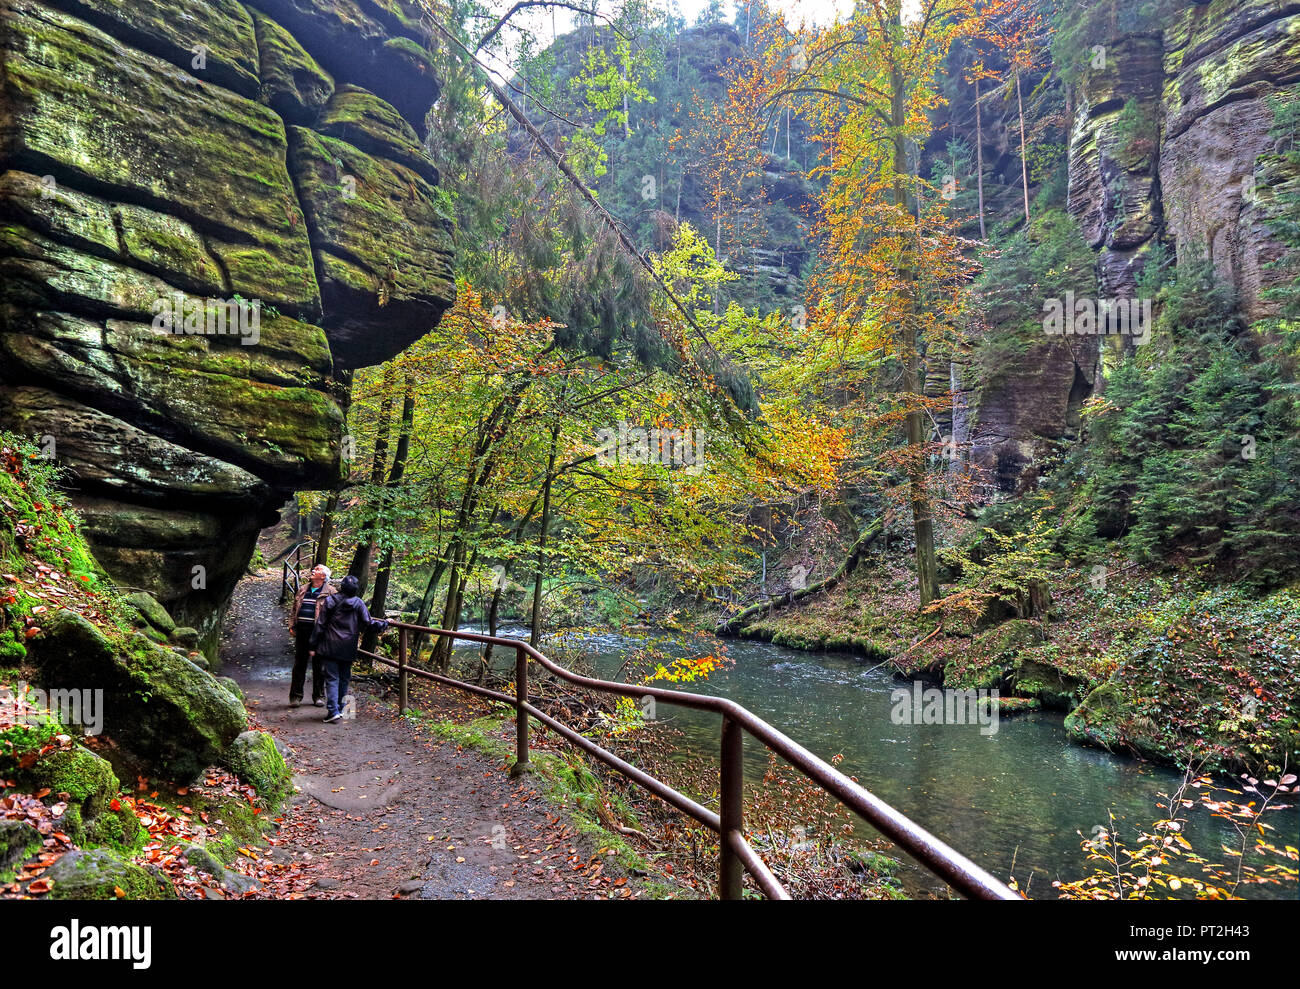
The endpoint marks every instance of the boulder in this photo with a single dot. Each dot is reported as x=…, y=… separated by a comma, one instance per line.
x=254, y=758
x=91, y=785
x=158, y=706
x=98, y=874
x=19, y=841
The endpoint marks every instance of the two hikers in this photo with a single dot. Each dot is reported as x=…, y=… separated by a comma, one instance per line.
x=339, y=623
x=306, y=606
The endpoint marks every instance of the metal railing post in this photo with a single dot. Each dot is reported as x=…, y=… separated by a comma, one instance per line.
x=401, y=671
x=731, y=810
x=521, y=716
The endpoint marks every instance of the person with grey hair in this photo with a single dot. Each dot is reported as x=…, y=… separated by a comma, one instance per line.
x=302, y=621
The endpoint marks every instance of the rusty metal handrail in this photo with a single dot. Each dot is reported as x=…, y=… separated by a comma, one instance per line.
x=736, y=854
x=286, y=571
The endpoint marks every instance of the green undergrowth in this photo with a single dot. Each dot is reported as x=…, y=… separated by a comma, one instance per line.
x=39, y=529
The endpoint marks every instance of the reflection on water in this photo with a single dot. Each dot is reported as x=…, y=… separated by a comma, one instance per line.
x=1022, y=792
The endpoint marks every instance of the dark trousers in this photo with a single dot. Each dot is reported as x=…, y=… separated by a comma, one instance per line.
x=338, y=678
x=301, y=651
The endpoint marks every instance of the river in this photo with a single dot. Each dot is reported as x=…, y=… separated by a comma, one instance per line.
x=1021, y=792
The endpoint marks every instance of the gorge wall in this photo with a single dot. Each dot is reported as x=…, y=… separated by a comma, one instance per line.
x=267, y=152
x=1168, y=142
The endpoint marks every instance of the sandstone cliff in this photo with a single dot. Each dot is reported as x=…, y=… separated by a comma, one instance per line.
x=269, y=153
x=1168, y=143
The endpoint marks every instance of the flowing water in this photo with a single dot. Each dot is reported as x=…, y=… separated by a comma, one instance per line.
x=1019, y=793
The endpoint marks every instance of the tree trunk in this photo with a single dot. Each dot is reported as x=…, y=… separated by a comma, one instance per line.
x=535, y=637
x=1024, y=166
x=979, y=158
x=326, y=531
x=379, y=599
x=365, y=550
x=922, y=521
x=492, y=430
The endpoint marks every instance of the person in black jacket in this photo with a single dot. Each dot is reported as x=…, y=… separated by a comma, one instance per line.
x=339, y=625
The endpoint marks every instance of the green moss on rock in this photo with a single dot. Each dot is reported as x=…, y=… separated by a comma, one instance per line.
x=157, y=705
x=293, y=83
x=83, y=97
x=19, y=841
x=98, y=874
x=119, y=830
x=254, y=758
x=88, y=779
x=367, y=122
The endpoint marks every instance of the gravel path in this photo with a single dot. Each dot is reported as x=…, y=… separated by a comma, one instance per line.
x=395, y=813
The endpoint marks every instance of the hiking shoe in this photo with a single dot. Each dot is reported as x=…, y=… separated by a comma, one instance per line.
x=330, y=719
x=295, y=701
x=318, y=701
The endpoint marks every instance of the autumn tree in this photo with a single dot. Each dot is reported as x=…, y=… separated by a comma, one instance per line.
x=890, y=271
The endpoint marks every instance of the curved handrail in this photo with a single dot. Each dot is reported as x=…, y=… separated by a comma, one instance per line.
x=935, y=855
x=286, y=587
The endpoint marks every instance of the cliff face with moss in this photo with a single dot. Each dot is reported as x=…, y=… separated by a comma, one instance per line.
x=267, y=153
x=1160, y=115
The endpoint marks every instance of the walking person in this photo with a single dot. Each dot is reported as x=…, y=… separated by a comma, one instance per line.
x=339, y=624
x=302, y=622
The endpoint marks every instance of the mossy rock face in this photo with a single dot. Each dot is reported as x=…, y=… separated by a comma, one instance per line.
x=179, y=447
x=293, y=83
x=271, y=416
x=139, y=236
x=171, y=28
x=83, y=96
x=367, y=122
x=254, y=758
x=355, y=43
x=19, y=841
x=355, y=202
x=158, y=706
x=230, y=684
x=98, y=874
x=108, y=451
